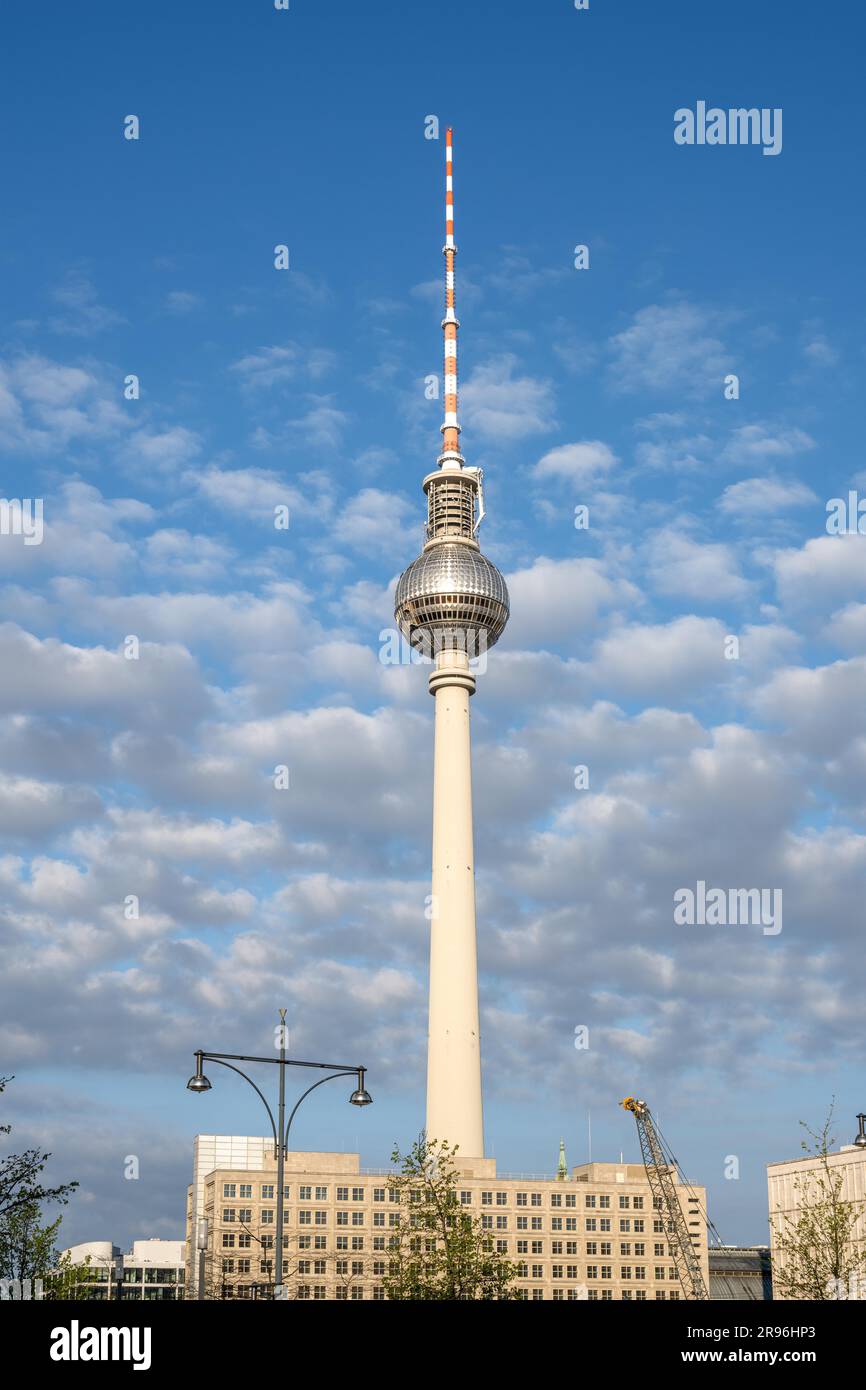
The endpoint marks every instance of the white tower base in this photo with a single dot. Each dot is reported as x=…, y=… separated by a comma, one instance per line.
x=454, y=1106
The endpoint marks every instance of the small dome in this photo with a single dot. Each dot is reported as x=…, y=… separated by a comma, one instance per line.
x=452, y=590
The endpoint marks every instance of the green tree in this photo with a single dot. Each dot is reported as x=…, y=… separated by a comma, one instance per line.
x=440, y=1250
x=27, y=1248
x=820, y=1250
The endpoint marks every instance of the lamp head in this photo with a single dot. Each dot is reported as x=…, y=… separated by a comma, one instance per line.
x=198, y=1083
x=361, y=1096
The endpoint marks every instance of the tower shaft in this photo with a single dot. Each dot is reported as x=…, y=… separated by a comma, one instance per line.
x=454, y=1104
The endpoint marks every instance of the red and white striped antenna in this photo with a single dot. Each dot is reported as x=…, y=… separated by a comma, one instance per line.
x=450, y=428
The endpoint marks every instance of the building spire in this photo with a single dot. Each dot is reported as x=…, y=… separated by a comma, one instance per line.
x=450, y=428
x=562, y=1166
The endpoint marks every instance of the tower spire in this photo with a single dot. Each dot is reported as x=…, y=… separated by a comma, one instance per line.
x=450, y=324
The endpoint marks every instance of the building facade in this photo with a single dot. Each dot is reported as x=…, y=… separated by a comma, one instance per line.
x=787, y=1181
x=594, y=1234
x=740, y=1273
x=153, y=1270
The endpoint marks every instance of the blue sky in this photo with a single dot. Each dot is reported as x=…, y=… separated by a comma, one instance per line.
x=602, y=387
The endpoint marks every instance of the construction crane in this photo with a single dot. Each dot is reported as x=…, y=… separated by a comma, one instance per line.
x=660, y=1167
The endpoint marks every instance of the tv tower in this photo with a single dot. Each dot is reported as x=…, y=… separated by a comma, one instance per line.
x=452, y=603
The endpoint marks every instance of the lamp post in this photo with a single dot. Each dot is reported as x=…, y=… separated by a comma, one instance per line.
x=360, y=1097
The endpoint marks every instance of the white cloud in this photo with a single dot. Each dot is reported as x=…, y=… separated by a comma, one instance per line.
x=497, y=405
x=759, y=441
x=758, y=496
x=670, y=346
x=579, y=463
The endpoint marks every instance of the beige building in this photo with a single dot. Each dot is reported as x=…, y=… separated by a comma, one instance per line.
x=593, y=1235
x=785, y=1184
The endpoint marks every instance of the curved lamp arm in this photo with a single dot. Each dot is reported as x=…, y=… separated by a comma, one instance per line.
x=257, y=1091
x=321, y=1082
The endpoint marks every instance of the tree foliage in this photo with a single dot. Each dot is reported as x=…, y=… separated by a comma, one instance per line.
x=820, y=1249
x=440, y=1250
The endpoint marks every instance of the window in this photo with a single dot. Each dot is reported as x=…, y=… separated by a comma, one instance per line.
x=321, y=1194
x=604, y=1201
x=523, y=1247
x=570, y=1199
x=606, y=1272
x=639, y=1247
x=245, y=1189
x=229, y=1213
x=267, y=1216
x=640, y=1271
x=638, y=1223
x=357, y=1266
x=637, y=1203
x=244, y=1240
x=342, y=1242
x=556, y=1271
x=521, y=1199
x=342, y=1194
x=591, y=1223
x=625, y=1225
x=243, y=1266
x=342, y=1218
x=604, y=1223
x=229, y=1189
x=245, y=1215
x=522, y=1223
x=604, y=1248
x=378, y=1218
x=591, y=1247
x=592, y=1271
x=305, y=1217
x=228, y=1266
x=466, y=1199
x=571, y=1271
x=321, y=1218
x=556, y=1223
x=659, y=1272
x=571, y=1223
x=624, y=1203
x=357, y=1218
x=536, y=1223
x=486, y=1221
x=305, y=1194
x=538, y=1247
x=589, y=1201
x=393, y=1218
x=556, y=1199
x=501, y=1199
x=571, y=1247
x=556, y=1247
x=625, y=1247
x=358, y=1194
x=502, y=1247
x=393, y=1194
x=487, y=1199
x=228, y=1241
x=625, y=1272
x=378, y=1194
x=268, y=1190
x=357, y=1242
x=535, y=1199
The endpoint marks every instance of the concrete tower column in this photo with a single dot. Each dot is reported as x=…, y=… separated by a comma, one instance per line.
x=454, y=1105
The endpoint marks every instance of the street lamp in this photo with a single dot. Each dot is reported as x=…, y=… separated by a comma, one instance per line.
x=360, y=1096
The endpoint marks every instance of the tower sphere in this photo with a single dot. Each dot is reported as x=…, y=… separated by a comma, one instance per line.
x=451, y=596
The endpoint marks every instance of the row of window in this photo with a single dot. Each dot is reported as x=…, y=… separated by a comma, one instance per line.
x=243, y=1240
x=319, y=1216
x=313, y=1192
x=357, y=1293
